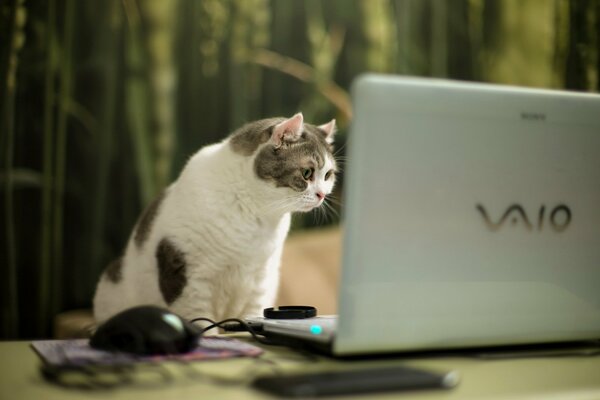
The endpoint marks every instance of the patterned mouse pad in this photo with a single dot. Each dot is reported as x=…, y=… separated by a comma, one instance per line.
x=77, y=352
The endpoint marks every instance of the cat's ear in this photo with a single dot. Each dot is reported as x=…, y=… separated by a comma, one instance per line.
x=329, y=128
x=289, y=130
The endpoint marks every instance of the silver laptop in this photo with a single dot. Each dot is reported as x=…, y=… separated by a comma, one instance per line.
x=472, y=218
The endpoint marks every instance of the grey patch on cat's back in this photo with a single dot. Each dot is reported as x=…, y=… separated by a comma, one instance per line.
x=249, y=137
x=144, y=225
x=113, y=270
x=171, y=270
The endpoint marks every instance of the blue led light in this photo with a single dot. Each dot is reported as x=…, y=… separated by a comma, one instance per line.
x=316, y=329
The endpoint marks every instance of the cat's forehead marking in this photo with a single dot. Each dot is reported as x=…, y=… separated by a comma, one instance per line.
x=320, y=160
x=172, y=277
x=144, y=225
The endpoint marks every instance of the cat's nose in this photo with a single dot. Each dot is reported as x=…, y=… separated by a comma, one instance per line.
x=320, y=195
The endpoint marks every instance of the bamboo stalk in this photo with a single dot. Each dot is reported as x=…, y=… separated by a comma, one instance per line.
x=377, y=27
x=60, y=156
x=597, y=46
x=438, y=52
x=561, y=28
x=12, y=317
x=136, y=103
x=575, y=72
x=105, y=145
x=322, y=56
x=237, y=73
x=44, y=275
x=162, y=74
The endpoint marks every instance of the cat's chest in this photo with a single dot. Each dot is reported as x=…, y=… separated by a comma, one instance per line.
x=233, y=239
x=260, y=240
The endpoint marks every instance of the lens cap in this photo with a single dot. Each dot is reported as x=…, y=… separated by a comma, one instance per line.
x=290, y=312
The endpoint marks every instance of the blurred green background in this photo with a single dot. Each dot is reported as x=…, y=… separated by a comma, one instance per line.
x=103, y=101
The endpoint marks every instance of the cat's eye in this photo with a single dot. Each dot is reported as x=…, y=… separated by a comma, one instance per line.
x=328, y=174
x=307, y=173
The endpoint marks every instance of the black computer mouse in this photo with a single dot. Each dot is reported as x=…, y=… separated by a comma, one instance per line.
x=146, y=330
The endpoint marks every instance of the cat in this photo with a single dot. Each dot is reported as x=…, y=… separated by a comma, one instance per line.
x=210, y=244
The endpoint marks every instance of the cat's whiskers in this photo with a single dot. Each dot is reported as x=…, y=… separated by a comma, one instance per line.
x=339, y=149
x=324, y=212
x=340, y=162
x=318, y=216
x=325, y=215
x=334, y=200
x=321, y=216
x=328, y=208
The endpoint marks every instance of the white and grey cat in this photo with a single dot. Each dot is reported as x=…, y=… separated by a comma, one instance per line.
x=210, y=245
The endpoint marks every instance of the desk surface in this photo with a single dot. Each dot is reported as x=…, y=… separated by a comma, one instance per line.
x=556, y=377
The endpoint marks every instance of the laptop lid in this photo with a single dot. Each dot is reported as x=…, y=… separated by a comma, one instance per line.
x=472, y=217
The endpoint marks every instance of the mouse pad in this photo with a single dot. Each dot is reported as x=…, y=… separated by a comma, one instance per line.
x=77, y=352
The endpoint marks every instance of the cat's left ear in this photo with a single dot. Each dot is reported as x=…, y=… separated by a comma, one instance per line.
x=289, y=130
x=329, y=128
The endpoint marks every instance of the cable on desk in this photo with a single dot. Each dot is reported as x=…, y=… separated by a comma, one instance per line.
x=306, y=355
x=221, y=324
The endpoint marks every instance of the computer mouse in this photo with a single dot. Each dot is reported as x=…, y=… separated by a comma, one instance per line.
x=146, y=330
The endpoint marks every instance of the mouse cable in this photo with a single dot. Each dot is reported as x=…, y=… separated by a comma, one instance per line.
x=212, y=321
x=225, y=322
x=235, y=325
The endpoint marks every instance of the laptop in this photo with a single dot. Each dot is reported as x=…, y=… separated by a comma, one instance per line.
x=471, y=219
